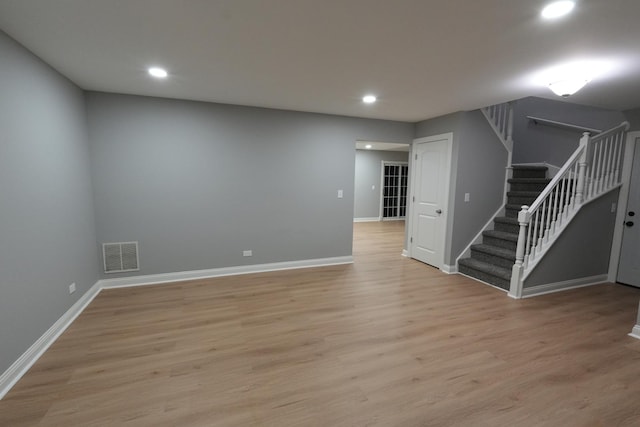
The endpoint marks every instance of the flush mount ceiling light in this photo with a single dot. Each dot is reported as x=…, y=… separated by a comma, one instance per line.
x=557, y=9
x=157, y=72
x=568, y=87
x=369, y=99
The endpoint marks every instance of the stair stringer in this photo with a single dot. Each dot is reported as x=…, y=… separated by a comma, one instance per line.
x=478, y=238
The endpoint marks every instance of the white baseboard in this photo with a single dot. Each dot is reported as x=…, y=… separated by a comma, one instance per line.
x=20, y=367
x=372, y=219
x=449, y=269
x=156, y=279
x=548, y=288
x=405, y=253
x=635, y=332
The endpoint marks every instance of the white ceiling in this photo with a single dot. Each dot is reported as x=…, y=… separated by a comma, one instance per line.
x=423, y=58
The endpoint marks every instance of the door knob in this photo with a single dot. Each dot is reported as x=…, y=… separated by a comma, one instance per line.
x=631, y=213
x=629, y=223
x=438, y=211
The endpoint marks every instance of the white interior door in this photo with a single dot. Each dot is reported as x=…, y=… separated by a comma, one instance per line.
x=430, y=189
x=629, y=267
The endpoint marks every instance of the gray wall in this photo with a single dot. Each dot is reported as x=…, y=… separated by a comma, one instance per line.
x=478, y=168
x=197, y=183
x=46, y=219
x=585, y=246
x=633, y=117
x=548, y=144
x=480, y=171
x=368, y=171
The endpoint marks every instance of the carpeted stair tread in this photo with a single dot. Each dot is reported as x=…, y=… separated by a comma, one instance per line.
x=501, y=235
x=495, y=251
x=502, y=273
x=506, y=220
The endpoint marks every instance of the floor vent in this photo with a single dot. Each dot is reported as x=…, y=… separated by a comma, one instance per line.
x=120, y=257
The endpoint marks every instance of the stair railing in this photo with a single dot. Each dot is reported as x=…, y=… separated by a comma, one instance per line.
x=591, y=171
x=500, y=117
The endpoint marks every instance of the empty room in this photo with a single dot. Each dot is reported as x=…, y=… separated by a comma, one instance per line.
x=312, y=213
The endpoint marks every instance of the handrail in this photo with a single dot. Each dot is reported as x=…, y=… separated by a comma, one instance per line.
x=558, y=176
x=624, y=126
x=563, y=125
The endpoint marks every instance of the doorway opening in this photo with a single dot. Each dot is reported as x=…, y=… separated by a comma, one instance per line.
x=381, y=187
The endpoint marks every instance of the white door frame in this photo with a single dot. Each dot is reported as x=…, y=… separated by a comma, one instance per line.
x=633, y=140
x=412, y=182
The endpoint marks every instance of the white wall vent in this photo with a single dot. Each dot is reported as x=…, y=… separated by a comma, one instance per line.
x=120, y=257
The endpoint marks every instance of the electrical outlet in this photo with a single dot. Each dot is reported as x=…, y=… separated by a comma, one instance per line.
x=467, y=197
x=72, y=288
x=339, y=194
x=247, y=253
x=613, y=207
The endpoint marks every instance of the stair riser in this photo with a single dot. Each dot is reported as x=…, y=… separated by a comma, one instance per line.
x=492, y=259
x=506, y=244
x=509, y=228
x=526, y=186
x=527, y=173
x=519, y=200
x=511, y=213
x=496, y=281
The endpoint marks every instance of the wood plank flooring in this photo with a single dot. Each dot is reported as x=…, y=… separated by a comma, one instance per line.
x=387, y=341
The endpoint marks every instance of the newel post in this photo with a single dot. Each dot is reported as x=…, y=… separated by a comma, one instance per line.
x=515, y=289
x=582, y=168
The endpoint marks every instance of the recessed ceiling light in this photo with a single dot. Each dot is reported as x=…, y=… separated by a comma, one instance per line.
x=558, y=9
x=157, y=72
x=369, y=99
x=368, y=146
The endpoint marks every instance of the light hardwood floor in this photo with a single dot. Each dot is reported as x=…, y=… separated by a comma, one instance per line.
x=387, y=341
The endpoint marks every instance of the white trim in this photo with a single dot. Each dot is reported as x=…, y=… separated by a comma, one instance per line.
x=466, y=252
x=635, y=332
x=405, y=253
x=448, y=138
x=20, y=367
x=155, y=279
x=449, y=269
x=370, y=219
x=548, y=288
x=633, y=139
